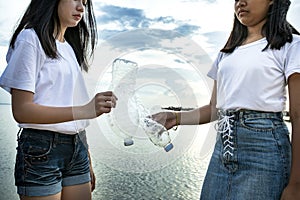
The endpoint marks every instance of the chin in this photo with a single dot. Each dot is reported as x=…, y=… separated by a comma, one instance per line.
x=73, y=25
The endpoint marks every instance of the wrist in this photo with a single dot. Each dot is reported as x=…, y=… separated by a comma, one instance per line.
x=81, y=112
x=177, y=121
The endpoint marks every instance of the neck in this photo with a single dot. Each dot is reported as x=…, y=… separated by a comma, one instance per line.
x=254, y=33
x=59, y=35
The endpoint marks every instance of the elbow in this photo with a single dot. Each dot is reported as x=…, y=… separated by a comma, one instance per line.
x=22, y=106
x=20, y=115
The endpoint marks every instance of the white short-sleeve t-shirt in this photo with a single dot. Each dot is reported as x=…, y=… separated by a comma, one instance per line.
x=250, y=78
x=54, y=82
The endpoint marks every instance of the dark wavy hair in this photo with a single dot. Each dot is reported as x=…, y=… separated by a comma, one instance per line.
x=277, y=29
x=42, y=16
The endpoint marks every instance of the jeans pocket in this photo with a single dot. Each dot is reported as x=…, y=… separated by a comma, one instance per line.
x=35, y=150
x=258, y=123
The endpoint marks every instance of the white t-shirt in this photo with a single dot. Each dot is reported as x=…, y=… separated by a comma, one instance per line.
x=54, y=82
x=250, y=78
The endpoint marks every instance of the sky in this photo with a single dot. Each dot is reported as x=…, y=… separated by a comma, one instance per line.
x=170, y=36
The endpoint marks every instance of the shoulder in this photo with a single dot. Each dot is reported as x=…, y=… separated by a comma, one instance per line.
x=27, y=41
x=219, y=57
x=295, y=42
x=290, y=46
x=29, y=36
x=296, y=39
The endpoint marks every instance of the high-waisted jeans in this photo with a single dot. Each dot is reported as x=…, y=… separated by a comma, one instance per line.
x=251, y=159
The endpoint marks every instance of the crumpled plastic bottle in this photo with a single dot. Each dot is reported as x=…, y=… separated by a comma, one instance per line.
x=157, y=133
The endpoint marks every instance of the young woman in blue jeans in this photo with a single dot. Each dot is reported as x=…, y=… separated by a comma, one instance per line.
x=47, y=53
x=253, y=157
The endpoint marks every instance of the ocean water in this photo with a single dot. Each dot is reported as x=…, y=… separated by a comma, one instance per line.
x=8, y=137
x=141, y=171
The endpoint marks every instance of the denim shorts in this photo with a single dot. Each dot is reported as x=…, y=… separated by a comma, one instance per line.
x=46, y=161
x=251, y=158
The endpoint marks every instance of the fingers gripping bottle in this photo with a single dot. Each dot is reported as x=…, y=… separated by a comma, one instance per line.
x=157, y=133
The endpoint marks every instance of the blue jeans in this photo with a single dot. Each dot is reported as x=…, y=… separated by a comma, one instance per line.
x=251, y=159
x=46, y=161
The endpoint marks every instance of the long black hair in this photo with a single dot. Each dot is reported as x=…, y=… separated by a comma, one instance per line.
x=42, y=16
x=277, y=29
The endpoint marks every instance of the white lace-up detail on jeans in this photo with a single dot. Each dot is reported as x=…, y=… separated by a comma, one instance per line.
x=225, y=125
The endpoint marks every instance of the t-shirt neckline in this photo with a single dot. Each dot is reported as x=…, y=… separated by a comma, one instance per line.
x=262, y=40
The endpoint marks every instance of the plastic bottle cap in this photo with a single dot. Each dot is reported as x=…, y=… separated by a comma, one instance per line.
x=128, y=142
x=168, y=147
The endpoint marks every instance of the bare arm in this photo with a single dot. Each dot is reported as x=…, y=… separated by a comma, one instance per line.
x=202, y=115
x=26, y=111
x=294, y=91
x=293, y=189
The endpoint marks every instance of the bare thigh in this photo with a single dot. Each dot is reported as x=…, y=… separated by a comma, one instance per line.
x=77, y=192
x=51, y=197
x=74, y=192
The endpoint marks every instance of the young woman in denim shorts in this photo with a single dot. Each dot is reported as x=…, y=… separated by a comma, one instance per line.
x=46, y=56
x=253, y=157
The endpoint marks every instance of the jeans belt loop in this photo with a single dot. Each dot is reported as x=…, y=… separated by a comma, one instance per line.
x=55, y=139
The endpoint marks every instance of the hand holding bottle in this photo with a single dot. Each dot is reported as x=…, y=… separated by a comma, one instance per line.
x=157, y=133
x=102, y=102
x=167, y=119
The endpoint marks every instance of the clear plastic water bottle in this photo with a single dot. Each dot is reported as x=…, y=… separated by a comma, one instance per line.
x=124, y=118
x=130, y=114
x=157, y=133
